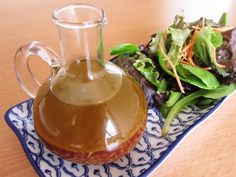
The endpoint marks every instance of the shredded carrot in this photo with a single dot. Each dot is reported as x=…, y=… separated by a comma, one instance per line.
x=186, y=48
x=184, y=62
x=184, y=51
x=214, y=58
x=183, y=56
x=203, y=22
x=161, y=43
x=186, y=57
x=196, y=27
x=222, y=29
x=187, y=51
x=189, y=59
x=165, y=35
x=183, y=59
x=207, y=68
x=190, y=53
x=173, y=68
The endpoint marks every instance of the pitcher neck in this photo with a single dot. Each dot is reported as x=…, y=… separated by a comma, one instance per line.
x=80, y=32
x=81, y=44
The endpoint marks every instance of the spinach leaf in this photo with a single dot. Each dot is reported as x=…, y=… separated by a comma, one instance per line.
x=220, y=92
x=205, y=103
x=164, y=110
x=124, y=49
x=224, y=19
x=197, y=76
x=162, y=86
x=147, y=68
x=174, y=97
x=177, y=108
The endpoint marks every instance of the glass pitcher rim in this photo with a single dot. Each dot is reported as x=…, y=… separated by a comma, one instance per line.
x=85, y=24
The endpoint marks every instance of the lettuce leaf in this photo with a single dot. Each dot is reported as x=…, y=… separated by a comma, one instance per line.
x=206, y=41
x=224, y=19
x=124, y=49
x=178, y=37
x=147, y=68
x=191, y=74
x=154, y=42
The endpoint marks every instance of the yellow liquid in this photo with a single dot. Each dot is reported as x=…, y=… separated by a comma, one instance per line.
x=90, y=111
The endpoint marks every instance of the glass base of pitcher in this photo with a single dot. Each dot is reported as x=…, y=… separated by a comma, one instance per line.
x=95, y=131
x=100, y=157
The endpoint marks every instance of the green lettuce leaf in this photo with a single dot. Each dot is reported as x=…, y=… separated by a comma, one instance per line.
x=147, y=68
x=224, y=19
x=178, y=37
x=197, y=76
x=179, y=22
x=154, y=43
x=206, y=41
x=124, y=49
x=190, y=74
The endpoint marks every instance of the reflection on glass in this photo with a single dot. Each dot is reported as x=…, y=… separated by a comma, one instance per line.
x=111, y=132
x=110, y=129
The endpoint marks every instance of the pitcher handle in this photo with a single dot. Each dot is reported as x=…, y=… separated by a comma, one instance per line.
x=29, y=83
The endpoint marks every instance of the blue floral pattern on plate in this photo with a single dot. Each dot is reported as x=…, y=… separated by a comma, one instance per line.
x=149, y=153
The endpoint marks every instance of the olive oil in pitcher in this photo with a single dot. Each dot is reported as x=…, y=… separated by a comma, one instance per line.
x=98, y=125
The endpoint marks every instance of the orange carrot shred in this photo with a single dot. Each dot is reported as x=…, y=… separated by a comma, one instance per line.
x=196, y=27
x=190, y=53
x=184, y=62
x=186, y=48
x=173, y=68
x=219, y=29
x=222, y=29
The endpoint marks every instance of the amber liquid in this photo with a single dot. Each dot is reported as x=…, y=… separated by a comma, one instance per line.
x=90, y=114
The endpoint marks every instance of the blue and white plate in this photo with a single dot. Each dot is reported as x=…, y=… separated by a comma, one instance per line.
x=147, y=156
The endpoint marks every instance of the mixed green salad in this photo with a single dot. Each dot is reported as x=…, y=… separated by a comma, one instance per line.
x=188, y=64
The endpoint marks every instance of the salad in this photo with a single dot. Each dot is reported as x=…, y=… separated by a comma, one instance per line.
x=188, y=64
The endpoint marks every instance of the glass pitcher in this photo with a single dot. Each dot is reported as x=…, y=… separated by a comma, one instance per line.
x=89, y=110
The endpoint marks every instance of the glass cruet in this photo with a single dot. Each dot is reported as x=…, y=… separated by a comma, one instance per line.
x=89, y=110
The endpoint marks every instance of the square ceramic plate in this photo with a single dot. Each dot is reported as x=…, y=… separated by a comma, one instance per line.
x=147, y=156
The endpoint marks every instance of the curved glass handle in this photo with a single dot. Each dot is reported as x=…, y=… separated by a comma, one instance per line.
x=23, y=72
